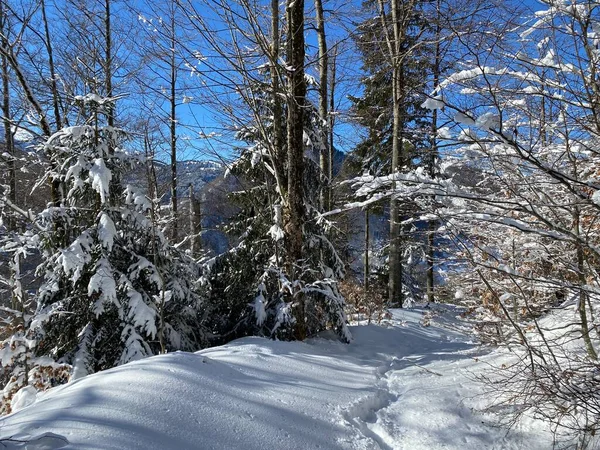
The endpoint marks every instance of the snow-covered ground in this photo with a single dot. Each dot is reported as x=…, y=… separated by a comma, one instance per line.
x=397, y=386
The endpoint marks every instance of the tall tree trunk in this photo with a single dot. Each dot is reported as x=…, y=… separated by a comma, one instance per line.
x=278, y=147
x=173, y=133
x=295, y=128
x=53, y=84
x=6, y=113
x=324, y=157
x=110, y=119
x=295, y=142
x=396, y=294
x=195, y=224
x=150, y=168
x=401, y=12
x=108, y=85
x=543, y=134
x=431, y=224
x=331, y=124
x=367, y=269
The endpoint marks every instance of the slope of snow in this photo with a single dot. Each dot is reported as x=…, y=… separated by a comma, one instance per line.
x=399, y=386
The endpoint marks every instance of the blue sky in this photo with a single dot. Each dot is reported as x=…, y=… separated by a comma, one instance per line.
x=197, y=116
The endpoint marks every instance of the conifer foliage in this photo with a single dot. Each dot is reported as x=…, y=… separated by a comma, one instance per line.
x=257, y=293
x=113, y=290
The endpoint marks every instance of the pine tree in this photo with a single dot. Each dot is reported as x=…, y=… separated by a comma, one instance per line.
x=113, y=290
x=255, y=289
x=374, y=110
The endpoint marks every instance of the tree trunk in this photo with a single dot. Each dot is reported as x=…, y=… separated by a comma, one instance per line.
x=400, y=14
x=395, y=258
x=110, y=116
x=195, y=224
x=278, y=147
x=331, y=124
x=324, y=157
x=295, y=128
x=431, y=224
x=173, y=134
x=295, y=142
x=115, y=182
x=8, y=134
x=53, y=85
x=367, y=269
x=150, y=169
x=396, y=295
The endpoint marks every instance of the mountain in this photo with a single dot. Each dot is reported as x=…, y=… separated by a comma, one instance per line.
x=196, y=173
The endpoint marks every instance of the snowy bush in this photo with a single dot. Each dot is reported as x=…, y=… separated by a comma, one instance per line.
x=362, y=304
x=526, y=118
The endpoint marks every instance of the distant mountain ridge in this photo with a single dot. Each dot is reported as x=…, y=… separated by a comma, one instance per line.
x=194, y=172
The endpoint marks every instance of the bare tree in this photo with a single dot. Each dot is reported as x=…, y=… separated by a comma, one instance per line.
x=195, y=224
x=398, y=20
x=533, y=223
x=7, y=113
x=325, y=154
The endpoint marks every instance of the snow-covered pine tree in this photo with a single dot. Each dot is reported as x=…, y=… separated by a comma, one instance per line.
x=281, y=280
x=389, y=123
x=113, y=289
x=256, y=293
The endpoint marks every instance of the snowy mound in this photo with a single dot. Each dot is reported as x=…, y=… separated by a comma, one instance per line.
x=398, y=386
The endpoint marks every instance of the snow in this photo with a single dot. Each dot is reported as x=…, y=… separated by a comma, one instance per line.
x=433, y=103
x=100, y=178
x=102, y=283
x=106, y=231
x=259, y=306
x=142, y=315
x=463, y=119
x=74, y=259
x=22, y=135
x=596, y=197
x=405, y=384
x=488, y=121
x=24, y=397
x=92, y=98
x=80, y=369
x=136, y=197
x=276, y=232
x=444, y=133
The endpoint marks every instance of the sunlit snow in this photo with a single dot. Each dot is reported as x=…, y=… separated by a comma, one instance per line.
x=405, y=384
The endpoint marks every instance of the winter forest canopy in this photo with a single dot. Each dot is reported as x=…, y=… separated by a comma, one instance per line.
x=179, y=174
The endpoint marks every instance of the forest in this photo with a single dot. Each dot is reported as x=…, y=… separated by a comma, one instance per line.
x=180, y=174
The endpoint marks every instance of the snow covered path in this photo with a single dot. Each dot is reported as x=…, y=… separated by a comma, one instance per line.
x=400, y=386
x=425, y=392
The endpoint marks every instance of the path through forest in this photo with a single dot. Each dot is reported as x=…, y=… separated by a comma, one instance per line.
x=405, y=384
